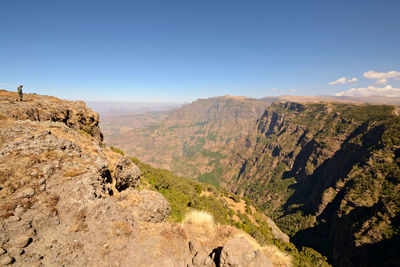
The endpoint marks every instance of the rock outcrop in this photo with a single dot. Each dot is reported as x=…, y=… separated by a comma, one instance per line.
x=73, y=114
x=126, y=174
x=239, y=252
x=58, y=184
x=146, y=205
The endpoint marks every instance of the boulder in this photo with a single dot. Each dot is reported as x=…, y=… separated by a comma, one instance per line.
x=277, y=232
x=127, y=174
x=260, y=260
x=238, y=252
x=202, y=259
x=6, y=260
x=26, y=193
x=199, y=256
x=194, y=247
x=146, y=205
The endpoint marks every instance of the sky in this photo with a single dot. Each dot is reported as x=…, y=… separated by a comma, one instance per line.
x=178, y=51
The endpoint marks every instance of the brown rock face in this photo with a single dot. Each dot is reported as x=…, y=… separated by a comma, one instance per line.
x=126, y=174
x=239, y=252
x=329, y=176
x=74, y=114
x=146, y=205
x=59, y=204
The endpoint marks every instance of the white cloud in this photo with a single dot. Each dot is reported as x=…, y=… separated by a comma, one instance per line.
x=373, y=75
x=339, y=81
x=292, y=90
x=352, y=80
x=381, y=81
x=274, y=89
x=371, y=90
x=343, y=80
x=3, y=84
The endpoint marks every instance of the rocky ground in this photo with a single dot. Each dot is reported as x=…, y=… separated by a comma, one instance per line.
x=66, y=199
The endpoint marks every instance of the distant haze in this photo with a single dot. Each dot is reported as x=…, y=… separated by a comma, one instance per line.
x=105, y=108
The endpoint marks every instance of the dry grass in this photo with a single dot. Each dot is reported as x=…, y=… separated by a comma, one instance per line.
x=251, y=240
x=277, y=257
x=240, y=207
x=4, y=174
x=197, y=217
x=72, y=173
x=205, y=193
x=172, y=231
x=200, y=225
x=80, y=222
x=7, y=209
x=51, y=202
x=50, y=155
x=77, y=245
x=121, y=228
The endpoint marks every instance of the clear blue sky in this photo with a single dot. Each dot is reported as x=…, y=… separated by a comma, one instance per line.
x=183, y=50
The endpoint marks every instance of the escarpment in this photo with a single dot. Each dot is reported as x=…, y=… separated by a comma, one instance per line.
x=329, y=175
x=73, y=114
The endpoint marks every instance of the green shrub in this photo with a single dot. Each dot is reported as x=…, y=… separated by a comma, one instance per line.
x=117, y=150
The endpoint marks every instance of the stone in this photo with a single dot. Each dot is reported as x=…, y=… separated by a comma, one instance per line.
x=26, y=193
x=277, y=232
x=201, y=259
x=22, y=241
x=19, y=211
x=260, y=260
x=239, y=252
x=127, y=174
x=146, y=205
x=194, y=247
x=42, y=188
x=6, y=260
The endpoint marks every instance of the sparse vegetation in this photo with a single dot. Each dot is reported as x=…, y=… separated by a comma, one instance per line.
x=119, y=151
x=199, y=217
x=184, y=195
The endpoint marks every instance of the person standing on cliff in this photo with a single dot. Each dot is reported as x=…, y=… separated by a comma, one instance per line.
x=20, y=92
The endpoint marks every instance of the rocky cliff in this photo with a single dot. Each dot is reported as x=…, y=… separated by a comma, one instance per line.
x=66, y=199
x=329, y=174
